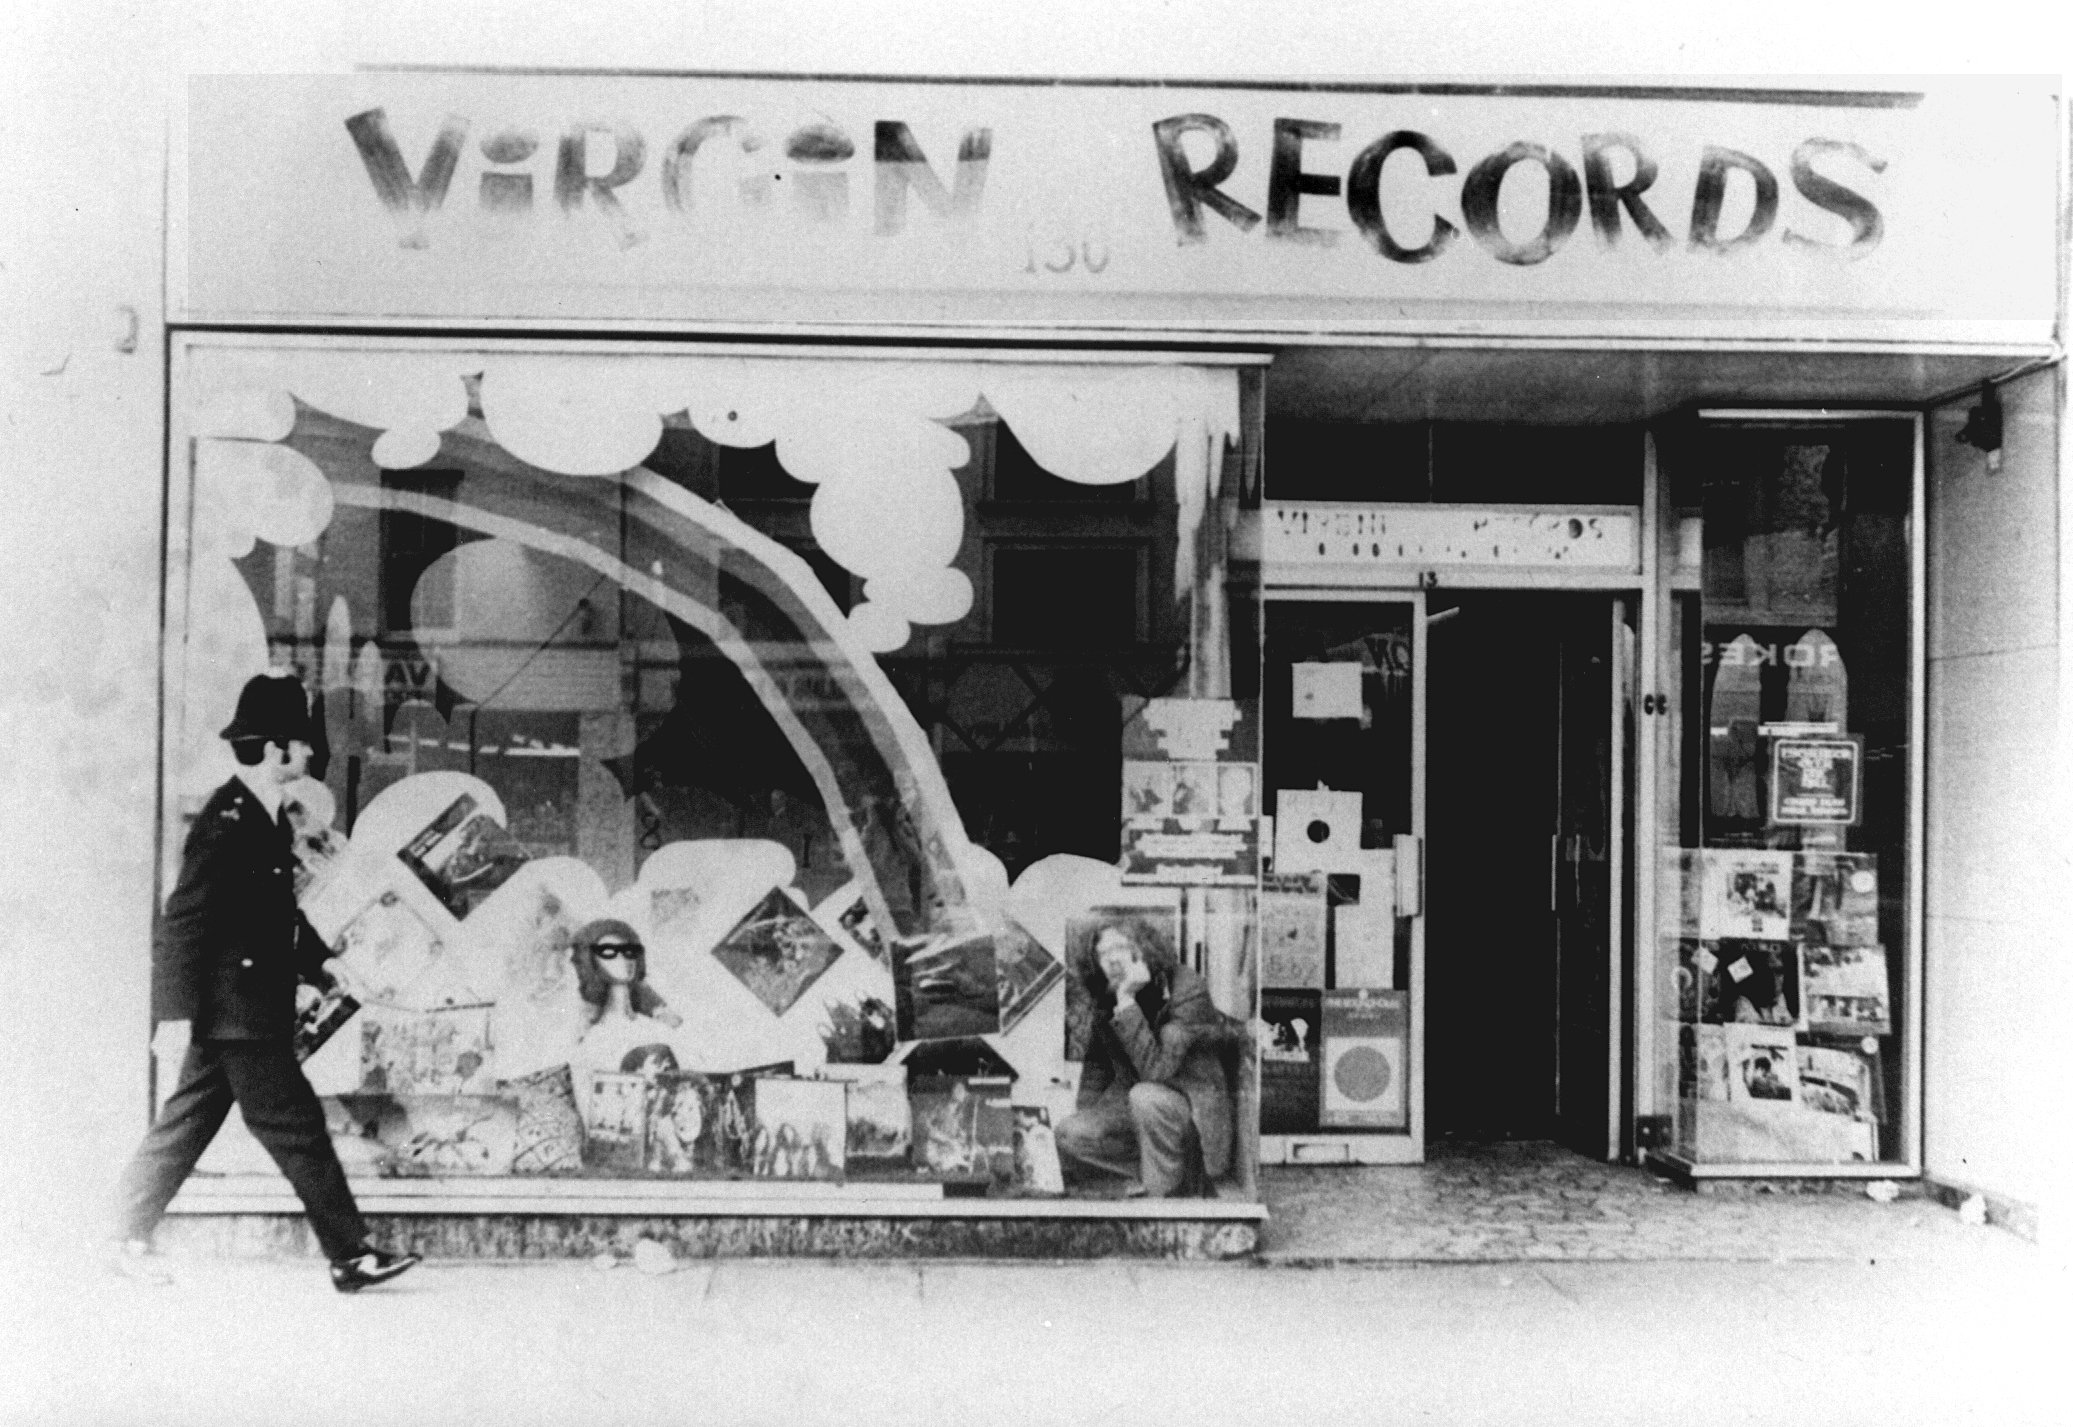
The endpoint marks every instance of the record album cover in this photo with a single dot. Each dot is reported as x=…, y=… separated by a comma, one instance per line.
x=615, y=1121
x=1763, y=1063
x=945, y=987
x=463, y=855
x=1036, y=1169
x=777, y=951
x=1748, y=894
x=1848, y=991
x=880, y=1118
x=318, y=1016
x=1836, y=1081
x=1711, y=1068
x=687, y=1124
x=1027, y=973
x=964, y=1127
x=799, y=1128
x=1757, y=982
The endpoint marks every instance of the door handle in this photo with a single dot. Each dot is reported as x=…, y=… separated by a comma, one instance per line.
x=1555, y=872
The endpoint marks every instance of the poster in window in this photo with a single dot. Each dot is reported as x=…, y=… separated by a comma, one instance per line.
x=1364, y=927
x=1190, y=814
x=1363, y=1077
x=389, y=949
x=1325, y=691
x=1748, y=894
x=1289, y=1060
x=1293, y=913
x=1817, y=781
x=443, y=1052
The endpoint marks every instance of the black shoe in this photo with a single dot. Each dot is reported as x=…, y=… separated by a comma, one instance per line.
x=368, y=1267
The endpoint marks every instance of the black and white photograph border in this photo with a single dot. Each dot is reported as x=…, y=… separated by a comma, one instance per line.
x=1766, y=1301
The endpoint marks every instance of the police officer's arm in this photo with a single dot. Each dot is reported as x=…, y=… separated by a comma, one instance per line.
x=311, y=954
x=179, y=965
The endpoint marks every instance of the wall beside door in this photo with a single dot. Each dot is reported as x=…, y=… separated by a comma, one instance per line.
x=1995, y=937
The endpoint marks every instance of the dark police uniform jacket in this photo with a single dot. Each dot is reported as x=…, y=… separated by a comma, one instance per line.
x=233, y=943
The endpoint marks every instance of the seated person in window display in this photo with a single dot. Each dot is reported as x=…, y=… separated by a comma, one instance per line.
x=1154, y=1104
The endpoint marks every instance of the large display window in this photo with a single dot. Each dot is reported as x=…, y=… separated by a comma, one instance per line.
x=1784, y=959
x=724, y=755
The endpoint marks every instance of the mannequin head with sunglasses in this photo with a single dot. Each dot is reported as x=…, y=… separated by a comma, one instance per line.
x=612, y=971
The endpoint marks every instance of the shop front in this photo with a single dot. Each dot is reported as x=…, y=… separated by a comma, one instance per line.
x=882, y=547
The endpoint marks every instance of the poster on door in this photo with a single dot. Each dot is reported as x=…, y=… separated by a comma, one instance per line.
x=1365, y=1043
x=1817, y=781
x=1191, y=792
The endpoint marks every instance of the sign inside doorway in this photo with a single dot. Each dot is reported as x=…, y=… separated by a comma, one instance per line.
x=1317, y=830
x=1816, y=781
x=1363, y=1084
x=1325, y=690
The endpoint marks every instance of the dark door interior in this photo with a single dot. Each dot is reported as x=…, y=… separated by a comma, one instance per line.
x=1518, y=787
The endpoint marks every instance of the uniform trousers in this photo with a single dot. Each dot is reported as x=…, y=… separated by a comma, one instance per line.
x=264, y=1081
x=1147, y=1132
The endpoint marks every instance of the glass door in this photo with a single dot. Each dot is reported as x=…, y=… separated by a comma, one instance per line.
x=1342, y=939
x=1783, y=1029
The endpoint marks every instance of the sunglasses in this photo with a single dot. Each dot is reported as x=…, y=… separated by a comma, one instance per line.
x=612, y=950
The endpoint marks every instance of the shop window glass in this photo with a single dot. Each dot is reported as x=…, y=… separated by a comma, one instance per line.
x=1016, y=476
x=1782, y=961
x=1076, y=596
x=578, y=654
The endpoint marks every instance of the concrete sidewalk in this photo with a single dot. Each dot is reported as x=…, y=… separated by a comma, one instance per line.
x=1959, y=1335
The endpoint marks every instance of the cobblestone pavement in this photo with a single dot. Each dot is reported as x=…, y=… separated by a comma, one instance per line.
x=1535, y=1201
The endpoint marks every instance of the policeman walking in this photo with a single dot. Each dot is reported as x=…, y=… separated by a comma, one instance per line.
x=231, y=948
